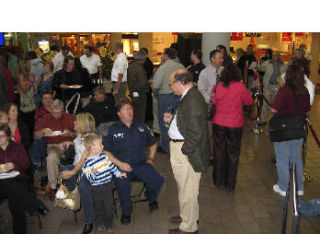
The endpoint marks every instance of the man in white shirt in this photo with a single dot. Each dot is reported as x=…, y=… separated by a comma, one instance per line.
x=92, y=63
x=119, y=73
x=59, y=58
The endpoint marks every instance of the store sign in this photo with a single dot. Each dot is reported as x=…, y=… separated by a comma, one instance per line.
x=299, y=34
x=286, y=36
x=253, y=34
x=236, y=36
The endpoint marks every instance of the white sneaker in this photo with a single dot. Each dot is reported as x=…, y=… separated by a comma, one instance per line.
x=300, y=193
x=277, y=189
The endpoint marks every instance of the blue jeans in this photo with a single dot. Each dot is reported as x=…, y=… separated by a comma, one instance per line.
x=72, y=181
x=38, y=148
x=165, y=101
x=143, y=172
x=85, y=193
x=288, y=152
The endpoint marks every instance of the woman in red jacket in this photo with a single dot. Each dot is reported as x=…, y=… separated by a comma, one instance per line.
x=231, y=95
x=14, y=159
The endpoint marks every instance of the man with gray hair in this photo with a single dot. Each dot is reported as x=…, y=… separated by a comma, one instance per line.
x=119, y=73
x=138, y=87
x=273, y=68
x=300, y=54
x=102, y=107
x=58, y=128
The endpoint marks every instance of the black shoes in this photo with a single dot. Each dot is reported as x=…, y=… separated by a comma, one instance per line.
x=153, y=206
x=125, y=219
x=43, y=210
x=87, y=228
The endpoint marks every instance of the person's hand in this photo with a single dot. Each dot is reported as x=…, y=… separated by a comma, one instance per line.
x=150, y=161
x=167, y=117
x=64, y=86
x=47, y=131
x=122, y=175
x=68, y=133
x=94, y=171
x=9, y=166
x=66, y=174
x=65, y=145
x=2, y=168
x=280, y=81
x=115, y=92
x=125, y=167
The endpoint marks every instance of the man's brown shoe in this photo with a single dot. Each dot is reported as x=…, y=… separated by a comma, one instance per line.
x=178, y=231
x=175, y=219
x=52, y=194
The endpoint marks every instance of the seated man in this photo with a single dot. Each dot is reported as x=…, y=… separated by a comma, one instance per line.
x=101, y=107
x=127, y=139
x=57, y=127
x=42, y=110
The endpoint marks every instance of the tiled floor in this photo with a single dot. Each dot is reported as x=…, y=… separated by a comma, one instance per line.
x=251, y=208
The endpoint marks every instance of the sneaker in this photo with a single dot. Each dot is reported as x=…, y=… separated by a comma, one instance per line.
x=277, y=189
x=300, y=193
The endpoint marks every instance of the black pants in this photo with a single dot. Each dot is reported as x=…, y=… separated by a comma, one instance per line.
x=103, y=204
x=28, y=119
x=139, y=106
x=20, y=200
x=226, y=145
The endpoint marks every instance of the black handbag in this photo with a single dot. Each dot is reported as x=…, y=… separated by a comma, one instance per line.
x=287, y=126
x=212, y=107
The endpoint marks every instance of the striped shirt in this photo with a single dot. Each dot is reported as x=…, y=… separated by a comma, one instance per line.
x=105, y=168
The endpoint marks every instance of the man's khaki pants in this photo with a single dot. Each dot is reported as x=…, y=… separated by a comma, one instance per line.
x=53, y=160
x=188, y=187
x=270, y=92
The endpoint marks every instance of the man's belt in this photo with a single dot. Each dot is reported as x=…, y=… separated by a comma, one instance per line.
x=175, y=140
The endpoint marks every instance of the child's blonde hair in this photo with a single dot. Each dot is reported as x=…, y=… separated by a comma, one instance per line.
x=89, y=139
x=3, y=114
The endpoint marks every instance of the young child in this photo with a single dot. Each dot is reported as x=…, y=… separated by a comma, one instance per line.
x=99, y=169
x=4, y=119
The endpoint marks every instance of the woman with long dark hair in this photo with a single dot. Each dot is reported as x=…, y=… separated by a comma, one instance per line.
x=293, y=98
x=231, y=95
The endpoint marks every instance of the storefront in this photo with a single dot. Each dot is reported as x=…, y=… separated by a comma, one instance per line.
x=285, y=42
x=76, y=41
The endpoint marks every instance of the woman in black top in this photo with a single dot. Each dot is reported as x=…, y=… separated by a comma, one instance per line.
x=67, y=81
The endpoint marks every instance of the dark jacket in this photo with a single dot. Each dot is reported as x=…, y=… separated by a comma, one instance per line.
x=148, y=67
x=193, y=125
x=137, y=78
x=102, y=111
x=3, y=88
x=25, y=134
x=67, y=78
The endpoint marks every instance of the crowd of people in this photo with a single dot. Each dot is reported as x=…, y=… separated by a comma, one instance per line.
x=108, y=134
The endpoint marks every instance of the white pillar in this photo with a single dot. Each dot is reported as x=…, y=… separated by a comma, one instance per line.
x=210, y=41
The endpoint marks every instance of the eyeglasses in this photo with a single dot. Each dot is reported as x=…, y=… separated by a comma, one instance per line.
x=170, y=84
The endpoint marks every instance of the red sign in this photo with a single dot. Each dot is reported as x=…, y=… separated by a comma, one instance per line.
x=286, y=36
x=299, y=34
x=236, y=36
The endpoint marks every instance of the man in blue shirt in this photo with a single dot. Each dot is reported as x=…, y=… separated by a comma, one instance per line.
x=127, y=139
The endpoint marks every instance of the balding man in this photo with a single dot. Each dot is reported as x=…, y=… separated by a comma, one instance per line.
x=137, y=83
x=189, y=148
x=273, y=69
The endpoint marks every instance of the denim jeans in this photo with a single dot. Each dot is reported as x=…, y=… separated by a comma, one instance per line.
x=72, y=181
x=38, y=148
x=288, y=152
x=165, y=101
x=310, y=208
x=85, y=193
